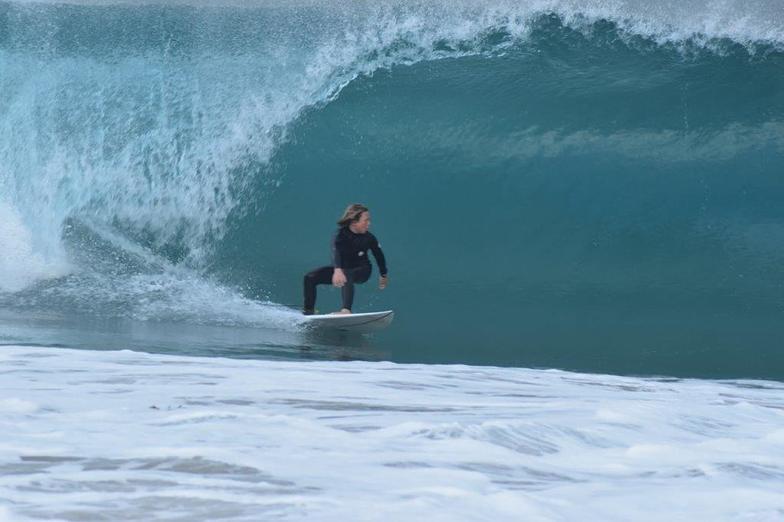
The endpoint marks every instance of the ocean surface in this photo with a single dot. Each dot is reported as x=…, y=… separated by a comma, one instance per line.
x=580, y=202
x=124, y=435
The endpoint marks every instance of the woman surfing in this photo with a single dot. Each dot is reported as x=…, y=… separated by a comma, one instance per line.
x=350, y=263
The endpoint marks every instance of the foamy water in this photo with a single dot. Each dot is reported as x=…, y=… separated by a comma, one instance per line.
x=128, y=435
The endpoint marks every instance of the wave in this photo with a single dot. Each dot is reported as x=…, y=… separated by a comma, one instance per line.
x=164, y=128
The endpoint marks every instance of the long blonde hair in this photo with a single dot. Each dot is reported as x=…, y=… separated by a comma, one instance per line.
x=352, y=214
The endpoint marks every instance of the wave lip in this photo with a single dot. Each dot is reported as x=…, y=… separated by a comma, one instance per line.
x=742, y=21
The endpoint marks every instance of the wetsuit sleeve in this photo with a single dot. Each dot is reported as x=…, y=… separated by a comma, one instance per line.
x=379, y=255
x=337, y=258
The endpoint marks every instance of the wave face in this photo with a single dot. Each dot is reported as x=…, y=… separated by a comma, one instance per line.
x=587, y=185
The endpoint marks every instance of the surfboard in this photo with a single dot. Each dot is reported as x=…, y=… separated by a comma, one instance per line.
x=362, y=322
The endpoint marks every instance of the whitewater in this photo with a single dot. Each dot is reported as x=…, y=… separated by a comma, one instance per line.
x=125, y=435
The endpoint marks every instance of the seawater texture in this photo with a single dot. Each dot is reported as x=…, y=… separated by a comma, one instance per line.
x=133, y=436
x=584, y=185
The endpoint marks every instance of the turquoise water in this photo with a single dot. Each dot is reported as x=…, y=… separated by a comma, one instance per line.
x=576, y=185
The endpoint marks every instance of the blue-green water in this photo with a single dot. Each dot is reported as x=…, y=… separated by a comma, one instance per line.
x=574, y=185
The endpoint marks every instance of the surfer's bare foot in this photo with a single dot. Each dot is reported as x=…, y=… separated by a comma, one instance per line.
x=343, y=311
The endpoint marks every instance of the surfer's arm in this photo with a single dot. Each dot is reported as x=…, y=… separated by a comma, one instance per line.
x=380, y=259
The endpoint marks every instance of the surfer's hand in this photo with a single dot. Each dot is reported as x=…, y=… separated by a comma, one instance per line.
x=382, y=282
x=338, y=278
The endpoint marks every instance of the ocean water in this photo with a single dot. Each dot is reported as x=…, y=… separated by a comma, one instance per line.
x=131, y=436
x=579, y=201
x=592, y=186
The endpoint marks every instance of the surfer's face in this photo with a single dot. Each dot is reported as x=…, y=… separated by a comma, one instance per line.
x=361, y=226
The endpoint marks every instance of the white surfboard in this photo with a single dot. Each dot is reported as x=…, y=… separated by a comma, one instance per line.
x=362, y=322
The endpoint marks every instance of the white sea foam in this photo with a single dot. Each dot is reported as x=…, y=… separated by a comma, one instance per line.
x=17, y=406
x=132, y=435
x=20, y=264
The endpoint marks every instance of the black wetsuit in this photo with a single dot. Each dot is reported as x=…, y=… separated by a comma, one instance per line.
x=349, y=252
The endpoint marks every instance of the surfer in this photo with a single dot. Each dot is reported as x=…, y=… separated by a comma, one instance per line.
x=350, y=263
